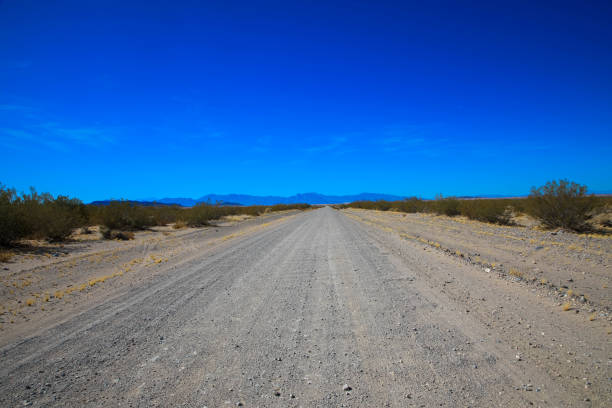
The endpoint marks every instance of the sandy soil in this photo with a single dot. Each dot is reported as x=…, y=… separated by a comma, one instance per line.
x=562, y=262
x=46, y=282
x=319, y=309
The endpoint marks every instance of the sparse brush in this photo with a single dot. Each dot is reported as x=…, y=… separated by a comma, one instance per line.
x=567, y=306
x=179, y=224
x=592, y=317
x=495, y=211
x=120, y=235
x=5, y=255
x=446, y=206
x=30, y=302
x=516, y=272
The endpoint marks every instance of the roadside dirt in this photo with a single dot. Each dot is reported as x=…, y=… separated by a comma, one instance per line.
x=47, y=282
x=320, y=309
x=561, y=262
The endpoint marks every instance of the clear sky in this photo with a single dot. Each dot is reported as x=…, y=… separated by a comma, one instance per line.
x=103, y=99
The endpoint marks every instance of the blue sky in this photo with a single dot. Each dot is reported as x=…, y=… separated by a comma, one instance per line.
x=103, y=99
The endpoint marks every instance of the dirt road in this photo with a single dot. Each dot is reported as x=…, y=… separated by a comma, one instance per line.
x=289, y=314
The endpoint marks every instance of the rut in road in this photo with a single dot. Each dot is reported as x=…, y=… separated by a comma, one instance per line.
x=282, y=317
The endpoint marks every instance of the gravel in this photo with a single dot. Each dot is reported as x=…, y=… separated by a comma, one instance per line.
x=341, y=302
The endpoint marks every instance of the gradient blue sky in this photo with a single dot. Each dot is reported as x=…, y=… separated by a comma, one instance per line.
x=103, y=99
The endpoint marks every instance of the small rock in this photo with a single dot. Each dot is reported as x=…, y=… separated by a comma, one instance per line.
x=346, y=387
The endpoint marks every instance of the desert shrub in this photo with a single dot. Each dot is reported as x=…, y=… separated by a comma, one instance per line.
x=446, y=206
x=5, y=255
x=201, y=214
x=412, y=205
x=126, y=216
x=54, y=219
x=179, y=224
x=562, y=204
x=494, y=211
x=36, y=215
x=114, y=234
x=13, y=225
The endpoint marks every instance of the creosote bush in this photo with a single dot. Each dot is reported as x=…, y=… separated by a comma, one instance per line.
x=557, y=204
x=38, y=216
x=497, y=211
x=562, y=204
x=41, y=216
x=447, y=206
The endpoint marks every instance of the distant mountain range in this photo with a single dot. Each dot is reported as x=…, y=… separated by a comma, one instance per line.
x=307, y=198
x=245, y=199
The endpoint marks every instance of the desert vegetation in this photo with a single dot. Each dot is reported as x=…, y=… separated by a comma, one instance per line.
x=563, y=204
x=558, y=204
x=41, y=216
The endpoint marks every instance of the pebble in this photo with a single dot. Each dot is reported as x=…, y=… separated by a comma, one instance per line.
x=346, y=387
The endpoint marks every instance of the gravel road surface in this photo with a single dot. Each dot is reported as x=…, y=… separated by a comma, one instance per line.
x=319, y=310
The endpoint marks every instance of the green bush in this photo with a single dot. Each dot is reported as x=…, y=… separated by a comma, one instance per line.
x=494, y=211
x=126, y=216
x=55, y=219
x=42, y=216
x=201, y=214
x=446, y=206
x=13, y=225
x=37, y=216
x=562, y=204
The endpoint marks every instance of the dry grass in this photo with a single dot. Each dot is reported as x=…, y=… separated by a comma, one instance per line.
x=567, y=306
x=180, y=224
x=30, y=302
x=517, y=273
x=592, y=317
x=5, y=255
